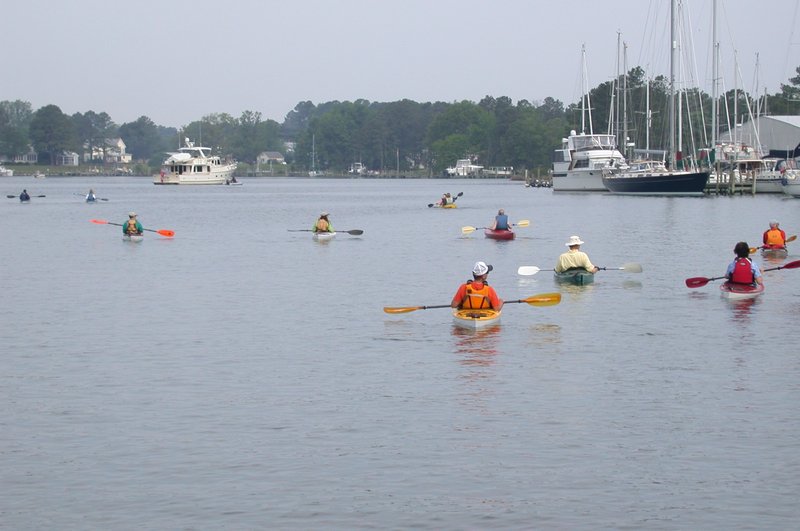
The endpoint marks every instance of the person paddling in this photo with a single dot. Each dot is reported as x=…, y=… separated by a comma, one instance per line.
x=774, y=237
x=323, y=224
x=743, y=270
x=90, y=197
x=24, y=196
x=447, y=199
x=132, y=225
x=575, y=258
x=477, y=293
x=500, y=221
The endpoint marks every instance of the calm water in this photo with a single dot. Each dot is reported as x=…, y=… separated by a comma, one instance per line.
x=241, y=376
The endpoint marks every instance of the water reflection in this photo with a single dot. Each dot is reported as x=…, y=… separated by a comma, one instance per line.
x=477, y=347
x=545, y=335
x=742, y=308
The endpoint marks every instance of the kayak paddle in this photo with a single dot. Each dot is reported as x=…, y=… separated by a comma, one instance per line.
x=15, y=196
x=354, y=232
x=698, y=282
x=459, y=194
x=470, y=230
x=163, y=232
x=543, y=299
x=630, y=268
x=752, y=249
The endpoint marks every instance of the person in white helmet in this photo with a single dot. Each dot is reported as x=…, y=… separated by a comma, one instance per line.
x=477, y=293
x=774, y=237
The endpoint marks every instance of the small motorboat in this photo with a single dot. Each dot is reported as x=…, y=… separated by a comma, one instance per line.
x=579, y=277
x=499, y=234
x=135, y=238
x=323, y=236
x=774, y=252
x=731, y=290
x=474, y=318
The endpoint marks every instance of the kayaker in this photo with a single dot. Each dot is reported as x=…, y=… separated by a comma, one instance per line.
x=323, y=224
x=446, y=199
x=575, y=258
x=774, y=237
x=500, y=221
x=743, y=270
x=477, y=293
x=90, y=196
x=24, y=196
x=132, y=225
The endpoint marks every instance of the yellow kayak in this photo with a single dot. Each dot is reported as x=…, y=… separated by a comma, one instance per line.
x=475, y=318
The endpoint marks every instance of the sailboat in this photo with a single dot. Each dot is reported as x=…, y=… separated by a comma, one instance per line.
x=579, y=164
x=314, y=172
x=659, y=177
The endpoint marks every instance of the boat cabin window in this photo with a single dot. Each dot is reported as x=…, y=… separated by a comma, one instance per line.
x=581, y=163
x=560, y=156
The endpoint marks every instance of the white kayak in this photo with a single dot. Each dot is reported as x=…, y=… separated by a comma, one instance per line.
x=136, y=238
x=475, y=318
x=323, y=236
x=730, y=290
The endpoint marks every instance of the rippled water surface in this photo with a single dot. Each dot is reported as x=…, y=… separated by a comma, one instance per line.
x=242, y=376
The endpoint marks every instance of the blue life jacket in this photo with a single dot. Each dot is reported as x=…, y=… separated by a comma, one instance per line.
x=502, y=222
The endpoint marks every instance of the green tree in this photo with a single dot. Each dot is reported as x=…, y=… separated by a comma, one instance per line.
x=93, y=130
x=142, y=138
x=52, y=132
x=15, y=119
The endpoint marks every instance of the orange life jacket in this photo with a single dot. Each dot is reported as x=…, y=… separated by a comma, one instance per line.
x=774, y=238
x=322, y=225
x=476, y=298
x=743, y=272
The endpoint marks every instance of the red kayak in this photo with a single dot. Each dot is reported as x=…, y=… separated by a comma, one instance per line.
x=499, y=234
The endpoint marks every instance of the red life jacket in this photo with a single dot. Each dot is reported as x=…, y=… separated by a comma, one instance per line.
x=742, y=272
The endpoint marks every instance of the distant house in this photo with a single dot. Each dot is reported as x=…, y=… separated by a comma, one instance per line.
x=31, y=157
x=112, y=152
x=268, y=157
x=67, y=158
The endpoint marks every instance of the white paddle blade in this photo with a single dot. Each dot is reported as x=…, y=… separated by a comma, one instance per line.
x=632, y=268
x=468, y=230
x=528, y=270
x=523, y=223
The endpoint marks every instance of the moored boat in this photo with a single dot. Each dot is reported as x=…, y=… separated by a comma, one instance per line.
x=791, y=186
x=474, y=318
x=651, y=177
x=499, y=234
x=323, y=236
x=731, y=290
x=135, y=238
x=194, y=165
x=579, y=277
x=774, y=252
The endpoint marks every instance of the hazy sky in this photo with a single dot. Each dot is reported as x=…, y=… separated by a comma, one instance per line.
x=176, y=61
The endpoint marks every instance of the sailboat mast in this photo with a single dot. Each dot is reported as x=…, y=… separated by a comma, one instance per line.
x=714, y=79
x=585, y=88
x=673, y=46
x=625, y=99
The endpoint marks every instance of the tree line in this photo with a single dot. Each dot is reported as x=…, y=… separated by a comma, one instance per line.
x=402, y=135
